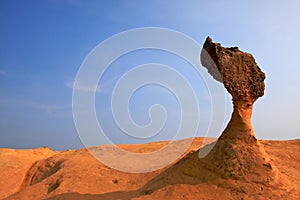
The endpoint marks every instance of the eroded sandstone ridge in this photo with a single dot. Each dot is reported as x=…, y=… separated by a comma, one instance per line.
x=237, y=153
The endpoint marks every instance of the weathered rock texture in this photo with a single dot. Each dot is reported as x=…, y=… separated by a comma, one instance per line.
x=237, y=70
x=237, y=153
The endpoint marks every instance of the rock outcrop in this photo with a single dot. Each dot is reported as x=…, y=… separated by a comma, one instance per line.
x=237, y=161
x=237, y=153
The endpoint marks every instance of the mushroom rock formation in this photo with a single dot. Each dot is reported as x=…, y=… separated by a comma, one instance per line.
x=237, y=161
x=237, y=153
x=242, y=78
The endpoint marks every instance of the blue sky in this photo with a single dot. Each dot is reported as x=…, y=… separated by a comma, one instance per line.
x=43, y=44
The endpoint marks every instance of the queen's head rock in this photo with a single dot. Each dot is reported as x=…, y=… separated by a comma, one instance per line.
x=237, y=154
x=242, y=78
x=237, y=162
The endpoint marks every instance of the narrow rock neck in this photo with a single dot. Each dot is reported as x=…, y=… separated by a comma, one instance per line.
x=242, y=112
x=239, y=126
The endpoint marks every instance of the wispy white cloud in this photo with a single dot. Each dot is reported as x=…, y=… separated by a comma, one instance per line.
x=51, y=109
x=103, y=87
x=3, y=73
x=86, y=88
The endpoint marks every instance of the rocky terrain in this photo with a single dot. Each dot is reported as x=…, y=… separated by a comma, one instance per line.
x=75, y=174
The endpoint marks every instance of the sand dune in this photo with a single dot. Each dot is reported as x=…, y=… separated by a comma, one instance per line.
x=75, y=174
x=14, y=165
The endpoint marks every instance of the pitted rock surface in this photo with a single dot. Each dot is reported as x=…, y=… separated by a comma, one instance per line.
x=237, y=70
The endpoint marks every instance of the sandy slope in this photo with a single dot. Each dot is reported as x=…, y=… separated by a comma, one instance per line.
x=14, y=165
x=44, y=174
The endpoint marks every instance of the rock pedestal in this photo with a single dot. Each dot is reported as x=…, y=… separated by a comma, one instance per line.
x=237, y=153
x=237, y=161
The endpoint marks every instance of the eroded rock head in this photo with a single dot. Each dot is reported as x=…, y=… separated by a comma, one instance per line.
x=237, y=70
